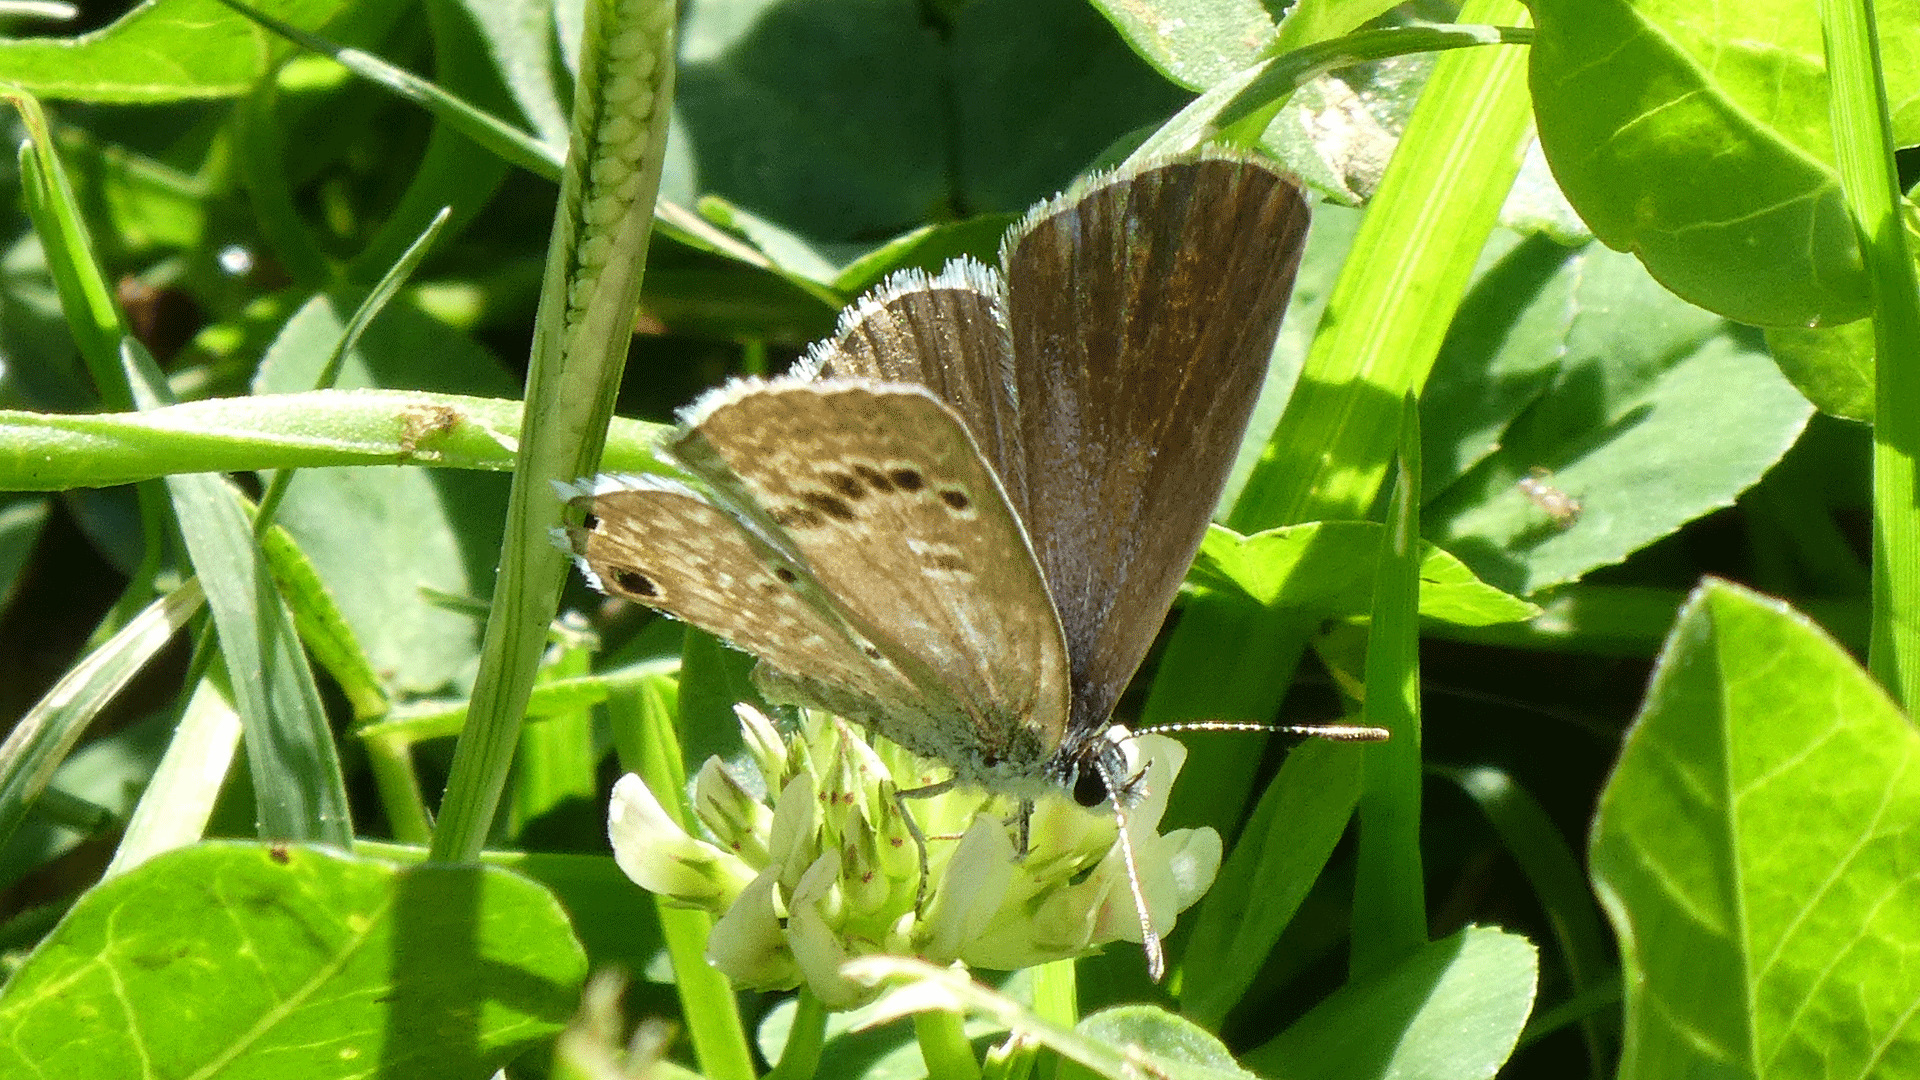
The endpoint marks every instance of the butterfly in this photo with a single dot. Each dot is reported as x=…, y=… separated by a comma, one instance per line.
x=963, y=518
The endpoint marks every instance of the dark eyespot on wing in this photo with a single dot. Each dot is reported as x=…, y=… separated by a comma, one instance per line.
x=847, y=485
x=955, y=498
x=633, y=582
x=835, y=508
x=875, y=479
x=785, y=574
x=907, y=479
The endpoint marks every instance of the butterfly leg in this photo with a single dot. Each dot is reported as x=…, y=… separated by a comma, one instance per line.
x=1022, y=821
x=900, y=798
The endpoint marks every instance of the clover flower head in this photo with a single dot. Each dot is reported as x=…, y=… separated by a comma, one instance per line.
x=825, y=869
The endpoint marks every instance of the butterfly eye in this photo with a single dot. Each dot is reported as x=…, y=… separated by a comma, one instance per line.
x=590, y=522
x=1088, y=789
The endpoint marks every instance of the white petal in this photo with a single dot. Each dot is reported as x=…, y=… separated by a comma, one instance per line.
x=653, y=850
x=749, y=945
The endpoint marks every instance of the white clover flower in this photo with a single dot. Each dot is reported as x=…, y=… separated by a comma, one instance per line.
x=830, y=871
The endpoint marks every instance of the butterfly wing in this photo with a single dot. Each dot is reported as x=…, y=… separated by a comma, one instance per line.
x=1143, y=312
x=882, y=493
x=662, y=544
x=947, y=333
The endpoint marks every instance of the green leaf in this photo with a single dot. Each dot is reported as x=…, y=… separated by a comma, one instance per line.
x=22, y=517
x=52, y=451
x=1754, y=851
x=1327, y=568
x=253, y=960
x=1639, y=423
x=1132, y=1040
x=1389, y=879
x=42, y=738
x=1195, y=43
x=1704, y=145
x=1178, y=1048
x=107, y=774
x=1832, y=365
x=1452, y=1010
x=166, y=50
x=378, y=536
x=519, y=38
x=183, y=789
x=930, y=117
x=1281, y=851
x=610, y=913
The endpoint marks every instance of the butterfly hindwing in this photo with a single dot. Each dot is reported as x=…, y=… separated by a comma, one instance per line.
x=947, y=333
x=659, y=543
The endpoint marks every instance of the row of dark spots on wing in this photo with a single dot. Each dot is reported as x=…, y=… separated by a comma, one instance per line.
x=848, y=489
x=637, y=583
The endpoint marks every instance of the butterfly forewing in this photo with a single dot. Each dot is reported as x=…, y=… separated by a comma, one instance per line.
x=880, y=489
x=1143, y=313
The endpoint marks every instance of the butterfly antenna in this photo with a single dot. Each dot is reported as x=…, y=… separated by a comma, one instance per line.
x=1149, y=941
x=1334, y=732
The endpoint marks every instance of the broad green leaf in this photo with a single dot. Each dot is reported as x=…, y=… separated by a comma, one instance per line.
x=1327, y=567
x=1178, y=1048
x=1451, y=1011
x=162, y=50
x=1702, y=143
x=1754, y=850
x=249, y=960
x=610, y=913
x=1832, y=365
x=847, y=124
x=1194, y=43
x=1622, y=414
x=1118, y=1045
